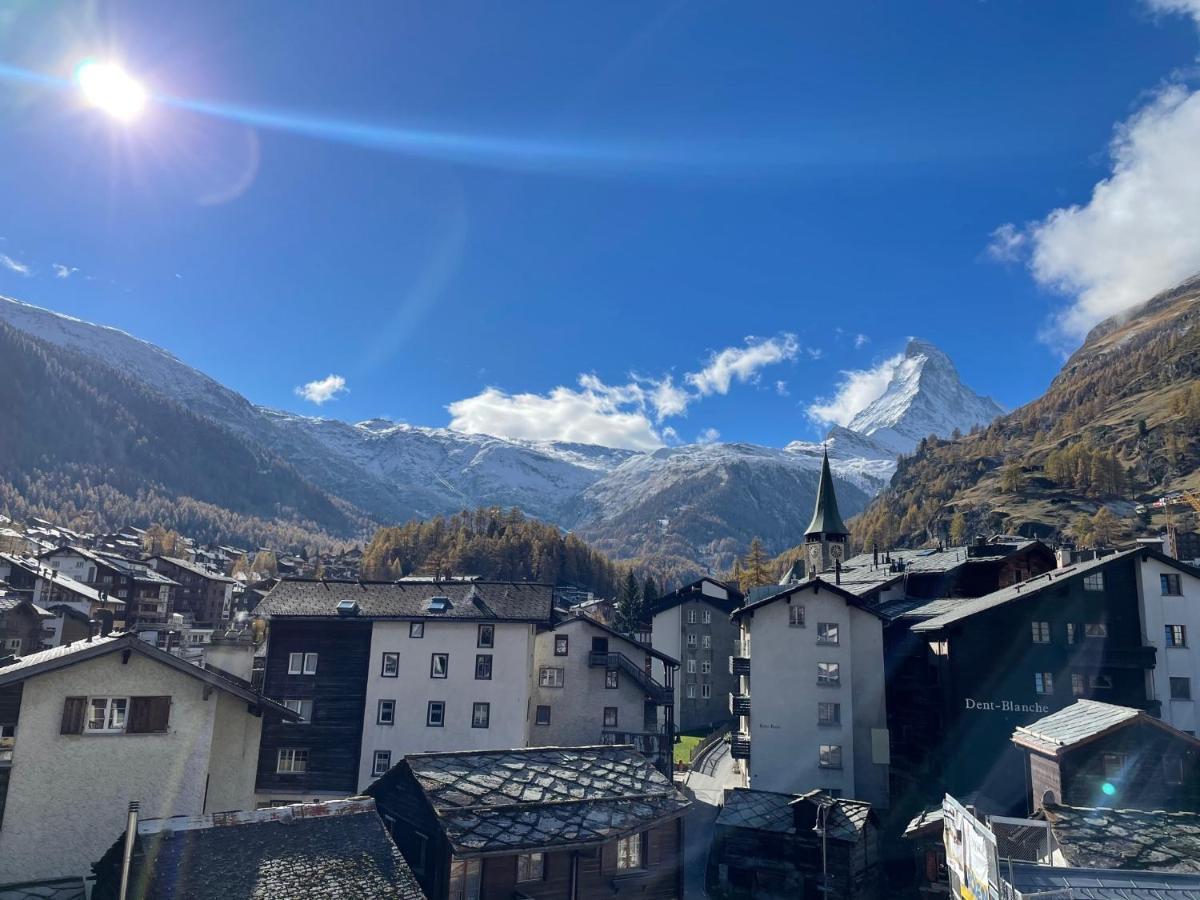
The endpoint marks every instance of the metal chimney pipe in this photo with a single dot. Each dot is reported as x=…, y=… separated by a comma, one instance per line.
x=127, y=857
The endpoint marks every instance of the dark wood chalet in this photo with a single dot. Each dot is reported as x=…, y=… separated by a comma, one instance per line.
x=203, y=597
x=1096, y=754
x=574, y=822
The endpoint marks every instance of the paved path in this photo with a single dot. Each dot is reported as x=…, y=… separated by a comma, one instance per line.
x=705, y=784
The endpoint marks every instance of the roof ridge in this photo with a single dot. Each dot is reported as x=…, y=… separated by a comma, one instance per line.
x=669, y=793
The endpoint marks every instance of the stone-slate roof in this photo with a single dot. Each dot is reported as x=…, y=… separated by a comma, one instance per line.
x=1099, y=884
x=51, y=889
x=472, y=600
x=1082, y=721
x=1127, y=838
x=307, y=850
x=770, y=811
x=547, y=797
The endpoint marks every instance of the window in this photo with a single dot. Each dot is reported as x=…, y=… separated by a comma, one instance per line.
x=1093, y=582
x=531, y=867
x=830, y=756
x=1169, y=585
x=691, y=692
x=464, y=879
x=481, y=715
x=560, y=644
x=550, y=677
x=610, y=717
x=12, y=644
x=420, y=848
x=705, y=667
x=487, y=636
x=829, y=713
x=1095, y=630
x=383, y=762
x=291, y=762
x=1176, y=635
x=691, y=640
x=391, y=665
x=1077, y=685
x=705, y=691
x=829, y=674
x=386, y=714
x=416, y=629
x=1181, y=688
x=1114, y=765
x=691, y=667
x=439, y=665
x=796, y=616
x=1070, y=632
x=1043, y=682
x=706, y=642
x=483, y=667
x=629, y=852
x=542, y=717
x=302, y=707
x=1041, y=632
x=435, y=714
x=707, y=617
x=302, y=664
x=611, y=679
x=1103, y=682
x=691, y=617
x=1173, y=770
x=827, y=633
x=107, y=714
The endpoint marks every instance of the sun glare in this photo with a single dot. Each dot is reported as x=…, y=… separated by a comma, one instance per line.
x=110, y=88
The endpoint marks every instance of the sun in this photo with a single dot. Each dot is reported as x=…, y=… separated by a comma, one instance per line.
x=110, y=88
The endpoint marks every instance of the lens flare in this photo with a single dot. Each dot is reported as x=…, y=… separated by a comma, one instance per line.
x=110, y=88
x=1108, y=788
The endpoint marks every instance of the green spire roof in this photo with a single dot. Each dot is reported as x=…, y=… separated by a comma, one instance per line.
x=826, y=518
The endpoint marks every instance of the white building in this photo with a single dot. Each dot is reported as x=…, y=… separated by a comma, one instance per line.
x=1169, y=601
x=90, y=726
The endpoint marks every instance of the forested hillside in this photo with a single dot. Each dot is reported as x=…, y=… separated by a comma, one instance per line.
x=1118, y=425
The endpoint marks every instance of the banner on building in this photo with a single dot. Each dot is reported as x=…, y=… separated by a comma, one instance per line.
x=970, y=853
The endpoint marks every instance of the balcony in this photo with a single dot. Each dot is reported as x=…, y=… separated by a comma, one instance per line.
x=739, y=664
x=739, y=704
x=622, y=663
x=1098, y=653
x=739, y=746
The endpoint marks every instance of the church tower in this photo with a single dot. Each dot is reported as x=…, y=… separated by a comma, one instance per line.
x=825, y=539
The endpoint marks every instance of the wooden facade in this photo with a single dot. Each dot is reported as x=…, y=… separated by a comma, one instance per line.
x=338, y=693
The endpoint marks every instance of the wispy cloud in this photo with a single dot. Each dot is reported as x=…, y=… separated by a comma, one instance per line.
x=858, y=389
x=708, y=436
x=742, y=363
x=15, y=265
x=323, y=390
x=781, y=388
x=860, y=341
x=61, y=271
x=1006, y=243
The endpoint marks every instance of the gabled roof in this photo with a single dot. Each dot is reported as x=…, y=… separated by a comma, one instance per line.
x=812, y=584
x=80, y=651
x=847, y=818
x=1100, y=838
x=826, y=519
x=484, y=601
x=1034, y=880
x=506, y=801
x=760, y=810
x=612, y=632
x=195, y=569
x=694, y=591
x=130, y=568
x=32, y=566
x=336, y=849
x=1084, y=721
x=1034, y=586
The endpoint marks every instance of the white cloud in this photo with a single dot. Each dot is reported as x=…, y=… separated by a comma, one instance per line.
x=596, y=414
x=858, y=390
x=15, y=265
x=668, y=399
x=781, y=389
x=860, y=341
x=742, y=363
x=1007, y=243
x=323, y=390
x=708, y=436
x=1185, y=7
x=61, y=271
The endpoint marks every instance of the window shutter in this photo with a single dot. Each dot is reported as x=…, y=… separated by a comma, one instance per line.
x=148, y=715
x=74, y=710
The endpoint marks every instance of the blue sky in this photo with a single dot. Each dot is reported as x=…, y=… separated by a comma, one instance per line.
x=623, y=222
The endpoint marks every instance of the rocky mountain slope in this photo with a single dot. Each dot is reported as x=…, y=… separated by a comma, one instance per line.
x=1118, y=425
x=687, y=508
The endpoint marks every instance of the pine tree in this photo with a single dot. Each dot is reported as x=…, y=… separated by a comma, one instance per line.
x=629, y=606
x=1105, y=526
x=755, y=566
x=649, y=592
x=958, y=529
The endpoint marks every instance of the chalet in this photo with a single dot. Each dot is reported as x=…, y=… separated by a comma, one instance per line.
x=90, y=726
x=337, y=849
x=204, y=596
x=579, y=822
x=593, y=685
x=692, y=625
x=49, y=588
x=1097, y=754
x=147, y=594
x=378, y=670
x=21, y=624
x=768, y=844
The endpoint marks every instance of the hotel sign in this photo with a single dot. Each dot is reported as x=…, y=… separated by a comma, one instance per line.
x=1005, y=706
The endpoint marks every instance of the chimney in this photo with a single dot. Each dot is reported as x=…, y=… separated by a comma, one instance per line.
x=837, y=571
x=127, y=856
x=874, y=555
x=91, y=630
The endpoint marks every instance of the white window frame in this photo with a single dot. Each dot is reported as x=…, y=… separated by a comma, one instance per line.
x=706, y=692
x=707, y=617
x=691, y=617
x=690, y=691
x=1040, y=632
x=551, y=676
x=1043, y=683
x=1078, y=685
x=381, y=763
x=298, y=706
x=795, y=615
x=531, y=867
x=829, y=756
x=114, y=722
x=1169, y=636
x=691, y=667
x=706, y=641
x=295, y=763
x=629, y=853
x=1093, y=581
x=836, y=713
x=302, y=663
x=831, y=677
x=465, y=878
x=691, y=640
x=706, y=667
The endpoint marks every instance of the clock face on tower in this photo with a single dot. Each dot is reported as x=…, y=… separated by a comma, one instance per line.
x=814, y=557
x=836, y=551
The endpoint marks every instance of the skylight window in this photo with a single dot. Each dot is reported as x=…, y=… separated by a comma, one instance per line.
x=439, y=604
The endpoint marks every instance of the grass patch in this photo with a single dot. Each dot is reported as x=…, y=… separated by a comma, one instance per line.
x=687, y=743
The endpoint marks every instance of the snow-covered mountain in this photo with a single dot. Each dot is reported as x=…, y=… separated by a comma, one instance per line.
x=698, y=504
x=924, y=396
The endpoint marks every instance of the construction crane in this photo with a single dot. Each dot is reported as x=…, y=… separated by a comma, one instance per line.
x=1175, y=498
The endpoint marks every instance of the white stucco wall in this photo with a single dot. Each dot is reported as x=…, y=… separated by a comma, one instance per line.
x=1159, y=611
x=666, y=636
x=507, y=691
x=69, y=794
x=577, y=708
x=234, y=758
